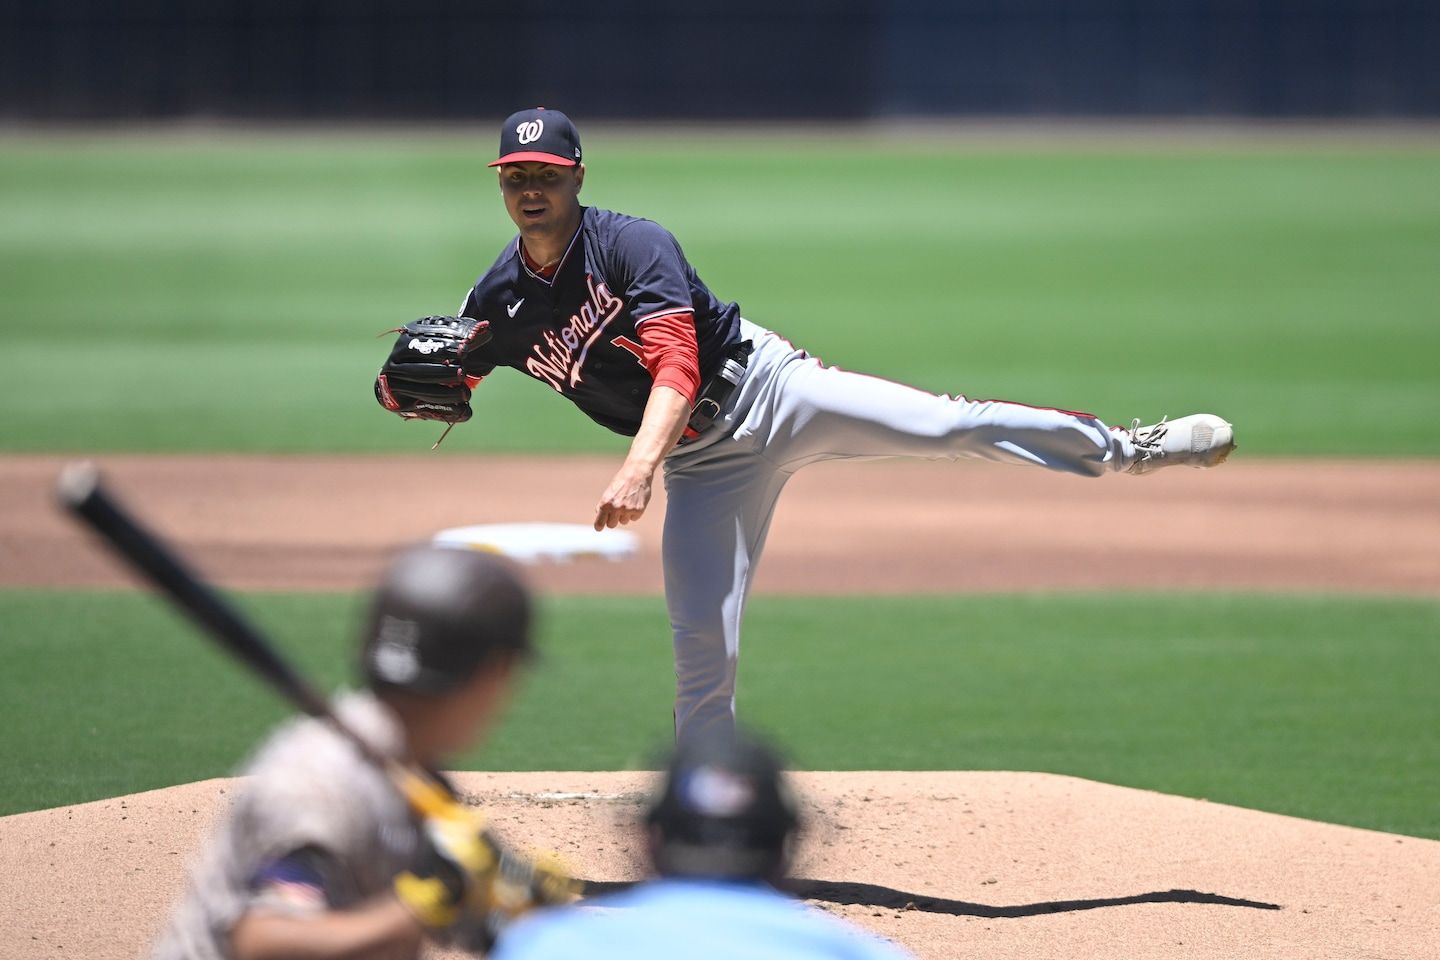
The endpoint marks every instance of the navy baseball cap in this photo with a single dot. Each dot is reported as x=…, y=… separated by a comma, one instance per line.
x=724, y=809
x=546, y=136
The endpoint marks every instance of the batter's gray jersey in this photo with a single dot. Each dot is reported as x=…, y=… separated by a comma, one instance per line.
x=308, y=788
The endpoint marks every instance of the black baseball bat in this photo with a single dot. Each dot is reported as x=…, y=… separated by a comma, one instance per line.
x=82, y=493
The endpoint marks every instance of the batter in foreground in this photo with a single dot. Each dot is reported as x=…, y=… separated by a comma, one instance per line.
x=605, y=309
x=321, y=856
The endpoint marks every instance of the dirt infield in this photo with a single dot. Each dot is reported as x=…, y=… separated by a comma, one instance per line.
x=316, y=523
x=997, y=865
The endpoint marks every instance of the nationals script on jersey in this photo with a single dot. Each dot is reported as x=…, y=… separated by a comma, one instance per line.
x=578, y=330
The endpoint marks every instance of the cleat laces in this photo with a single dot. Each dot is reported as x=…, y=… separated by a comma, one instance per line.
x=1147, y=440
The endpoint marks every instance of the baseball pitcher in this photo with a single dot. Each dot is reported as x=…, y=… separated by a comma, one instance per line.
x=605, y=309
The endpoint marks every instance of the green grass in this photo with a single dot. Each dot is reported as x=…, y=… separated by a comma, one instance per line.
x=1321, y=708
x=222, y=293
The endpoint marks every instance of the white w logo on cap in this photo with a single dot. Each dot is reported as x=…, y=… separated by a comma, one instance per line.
x=530, y=130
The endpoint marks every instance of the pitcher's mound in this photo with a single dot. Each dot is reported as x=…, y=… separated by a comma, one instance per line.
x=993, y=865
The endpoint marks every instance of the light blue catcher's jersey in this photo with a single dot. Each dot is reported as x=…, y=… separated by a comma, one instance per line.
x=697, y=920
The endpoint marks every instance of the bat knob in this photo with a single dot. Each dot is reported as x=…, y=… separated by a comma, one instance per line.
x=78, y=483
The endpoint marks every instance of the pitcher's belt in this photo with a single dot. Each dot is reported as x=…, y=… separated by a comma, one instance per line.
x=711, y=399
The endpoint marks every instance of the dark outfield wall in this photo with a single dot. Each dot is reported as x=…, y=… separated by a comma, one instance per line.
x=744, y=59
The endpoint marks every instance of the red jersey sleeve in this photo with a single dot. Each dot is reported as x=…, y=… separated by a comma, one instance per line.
x=671, y=353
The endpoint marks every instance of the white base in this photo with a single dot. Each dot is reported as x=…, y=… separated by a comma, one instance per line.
x=541, y=542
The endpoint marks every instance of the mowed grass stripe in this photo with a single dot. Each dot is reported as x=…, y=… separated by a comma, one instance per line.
x=225, y=294
x=1321, y=708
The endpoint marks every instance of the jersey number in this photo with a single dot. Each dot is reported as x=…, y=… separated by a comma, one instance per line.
x=625, y=343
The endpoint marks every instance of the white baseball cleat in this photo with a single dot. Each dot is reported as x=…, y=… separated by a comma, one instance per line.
x=1199, y=440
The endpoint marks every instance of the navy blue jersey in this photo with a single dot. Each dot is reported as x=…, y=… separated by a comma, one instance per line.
x=578, y=332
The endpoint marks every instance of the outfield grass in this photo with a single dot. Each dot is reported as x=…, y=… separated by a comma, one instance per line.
x=222, y=294
x=1321, y=708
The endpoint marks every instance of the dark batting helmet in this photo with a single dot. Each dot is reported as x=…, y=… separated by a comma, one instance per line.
x=724, y=810
x=441, y=612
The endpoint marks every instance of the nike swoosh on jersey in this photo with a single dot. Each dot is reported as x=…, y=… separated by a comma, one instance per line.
x=511, y=310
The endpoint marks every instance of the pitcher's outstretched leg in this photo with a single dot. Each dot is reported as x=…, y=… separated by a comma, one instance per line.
x=828, y=413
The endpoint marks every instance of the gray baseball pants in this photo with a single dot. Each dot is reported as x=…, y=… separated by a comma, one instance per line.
x=790, y=411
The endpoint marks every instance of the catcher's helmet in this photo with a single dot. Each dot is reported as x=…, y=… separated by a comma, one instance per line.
x=724, y=810
x=438, y=614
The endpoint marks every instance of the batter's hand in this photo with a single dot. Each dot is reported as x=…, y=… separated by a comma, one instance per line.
x=469, y=887
x=625, y=499
x=458, y=858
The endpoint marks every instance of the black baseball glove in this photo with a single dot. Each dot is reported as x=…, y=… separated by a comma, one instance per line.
x=424, y=377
